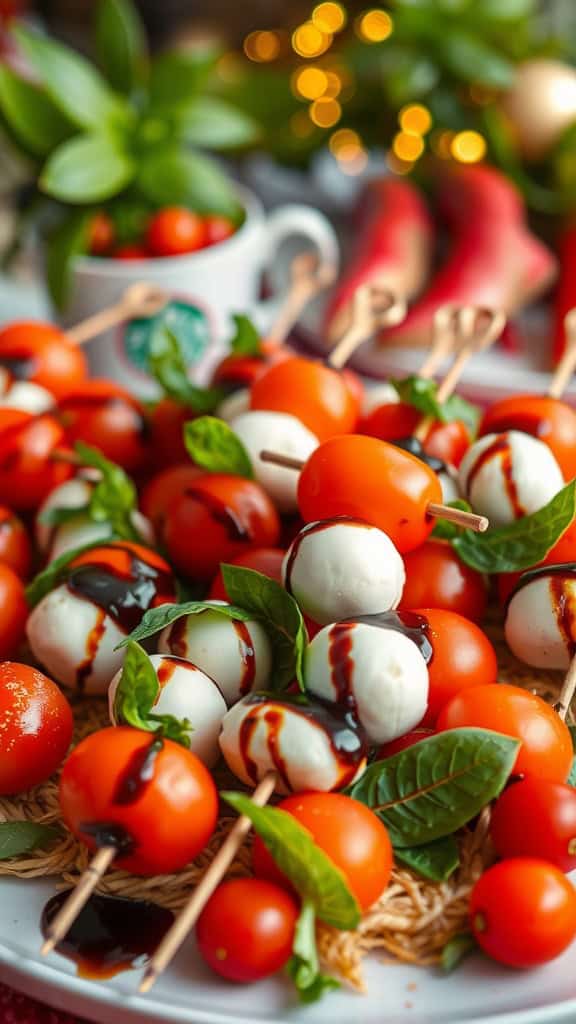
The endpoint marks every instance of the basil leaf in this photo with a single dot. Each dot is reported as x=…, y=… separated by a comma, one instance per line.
x=437, y=860
x=304, y=965
x=114, y=498
x=18, y=837
x=156, y=619
x=421, y=394
x=446, y=530
x=315, y=877
x=87, y=169
x=55, y=572
x=136, y=695
x=213, y=446
x=177, y=77
x=246, y=341
x=32, y=115
x=280, y=616
x=457, y=408
x=433, y=788
x=456, y=949
x=121, y=44
x=571, y=780
x=167, y=364
x=65, y=243
x=522, y=544
x=178, y=176
x=212, y=123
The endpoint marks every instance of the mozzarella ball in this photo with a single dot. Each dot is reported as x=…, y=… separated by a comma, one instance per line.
x=540, y=625
x=374, y=397
x=507, y=476
x=279, y=432
x=338, y=568
x=74, y=641
x=379, y=674
x=309, y=746
x=448, y=478
x=234, y=404
x=81, y=530
x=24, y=395
x=237, y=655
x=185, y=692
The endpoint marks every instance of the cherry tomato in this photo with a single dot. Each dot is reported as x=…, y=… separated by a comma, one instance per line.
x=237, y=371
x=315, y=394
x=151, y=797
x=354, y=384
x=546, y=749
x=229, y=514
x=404, y=742
x=523, y=912
x=13, y=613
x=167, y=421
x=348, y=832
x=265, y=560
x=564, y=550
x=39, y=352
x=174, y=231
x=101, y=234
x=15, y=546
x=130, y=252
x=36, y=730
x=448, y=441
x=395, y=420
x=105, y=416
x=369, y=479
x=160, y=491
x=27, y=470
x=437, y=578
x=548, y=419
x=536, y=818
x=246, y=929
x=217, y=229
x=118, y=556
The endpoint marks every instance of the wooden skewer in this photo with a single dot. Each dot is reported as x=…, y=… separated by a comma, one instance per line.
x=567, y=364
x=308, y=276
x=567, y=692
x=139, y=300
x=468, y=520
x=78, y=898
x=373, y=306
x=190, y=913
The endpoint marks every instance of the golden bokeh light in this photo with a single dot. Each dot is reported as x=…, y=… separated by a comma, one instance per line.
x=397, y=165
x=345, y=144
x=301, y=125
x=408, y=147
x=468, y=147
x=354, y=165
x=262, y=46
x=374, y=26
x=325, y=112
x=310, y=82
x=329, y=17
x=309, y=41
x=333, y=84
x=415, y=119
x=441, y=143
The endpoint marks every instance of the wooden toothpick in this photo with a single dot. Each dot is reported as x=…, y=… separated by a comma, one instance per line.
x=567, y=364
x=308, y=277
x=374, y=306
x=139, y=300
x=567, y=692
x=78, y=898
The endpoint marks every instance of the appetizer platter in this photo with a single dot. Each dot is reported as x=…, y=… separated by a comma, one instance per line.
x=288, y=664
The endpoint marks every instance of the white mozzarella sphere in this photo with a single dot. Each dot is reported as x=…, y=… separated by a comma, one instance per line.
x=378, y=673
x=310, y=747
x=448, y=478
x=74, y=641
x=234, y=404
x=279, y=432
x=540, y=625
x=337, y=568
x=185, y=692
x=81, y=530
x=507, y=476
x=24, y=395
x=380, y=394
x=237, y=655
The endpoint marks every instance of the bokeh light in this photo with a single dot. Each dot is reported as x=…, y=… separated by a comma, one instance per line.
x=415, y=119
x=262, y=46
x=325, y=112
x=329, y=17
x=441, y=143
x=468, y=147
x=310, y=82
x=300, y=124
x=333, y=84
x=397, y=165
x=408, y=147
x=309, y=41
x=374, y=26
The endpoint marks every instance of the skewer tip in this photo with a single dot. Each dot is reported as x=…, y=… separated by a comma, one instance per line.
x=147, y=981
x=48, y=946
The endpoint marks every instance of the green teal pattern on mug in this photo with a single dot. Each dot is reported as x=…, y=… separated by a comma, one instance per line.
x=189, y=323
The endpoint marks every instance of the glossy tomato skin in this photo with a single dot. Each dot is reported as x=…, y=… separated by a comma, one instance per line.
x=348, y=832
x=13, y=612
x=118, y=556
x=265, y=560
x=246, y=929
x=404, y=742
x=395, y=420
x=437, y=578
x=369, y=479
x=174, y=231
x=101, y=234
x=160, y=491
x=536, y=818
x=216, y=519
x=463, y=657
x=15, y=545
x=165, y=813
x=523, y=912
x=546, y=745
x=548, y=419
x=237, y=371
x=105, y=416
x=37, y=727
x=448, y=441
x=27, y=471
x=167, y=421
x=315, y=394
x=50, y=359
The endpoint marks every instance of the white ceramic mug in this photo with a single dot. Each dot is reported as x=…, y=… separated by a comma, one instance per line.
x=207, y=286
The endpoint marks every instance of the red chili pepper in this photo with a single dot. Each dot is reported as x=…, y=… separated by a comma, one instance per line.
x=565, y=295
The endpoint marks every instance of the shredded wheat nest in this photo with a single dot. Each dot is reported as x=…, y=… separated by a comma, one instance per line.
x=411, y=922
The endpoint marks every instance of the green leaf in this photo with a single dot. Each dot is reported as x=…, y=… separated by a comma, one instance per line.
x=213, y=446
x=304, y=965
x=571, y=780
x=246, y=340
x=156, y=619
x=458, y=408
x=180, y=177
x=314, y=876
x=505, y=10
x=456, y=949
x=18, y=837
x=54, y=573
x=436, y=786
x=446, y=530
x=177, y=77
x=473, y=60
x=114, y=499
x=280, y=616
x=136, y=695
x=75, y=86
x=32, y=115
x=522, y=544
x=421, y=394
x=86, y=169
x=212, y=123
x=121, y=44
x=167, y=364
x=437, y=860
x=66, y=242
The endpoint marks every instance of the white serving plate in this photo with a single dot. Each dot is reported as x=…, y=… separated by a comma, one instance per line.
x=478, y=992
